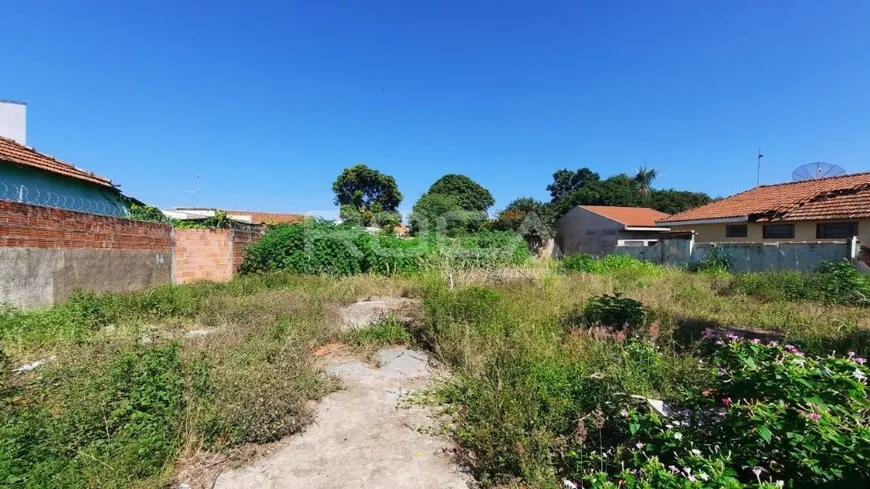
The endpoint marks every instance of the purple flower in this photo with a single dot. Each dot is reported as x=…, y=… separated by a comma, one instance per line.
x=719, y=342
x=790, y=348
x=851, y=355
x=773, y=343
x=815, y=416
x=727, y=401
x=623, y=413
x=756, y=341
x=860, y=360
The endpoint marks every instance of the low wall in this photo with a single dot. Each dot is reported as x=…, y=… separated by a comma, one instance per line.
x=47, y=253
x=745, y=257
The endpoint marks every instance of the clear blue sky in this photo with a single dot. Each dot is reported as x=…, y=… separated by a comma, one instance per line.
x=269, y=101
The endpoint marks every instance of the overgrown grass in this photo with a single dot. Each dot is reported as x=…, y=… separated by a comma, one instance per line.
x=134, y=381
x=530, y=361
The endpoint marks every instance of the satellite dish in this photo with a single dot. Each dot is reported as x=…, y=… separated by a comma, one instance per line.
x=815, y=171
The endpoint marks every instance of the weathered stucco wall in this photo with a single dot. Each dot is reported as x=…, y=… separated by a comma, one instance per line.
x=34, y=277
x=582, y=231
x=46, y=254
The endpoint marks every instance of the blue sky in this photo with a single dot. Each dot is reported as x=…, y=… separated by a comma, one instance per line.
x=269, y=101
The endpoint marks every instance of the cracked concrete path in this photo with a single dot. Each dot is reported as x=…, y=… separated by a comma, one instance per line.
x=360, y=438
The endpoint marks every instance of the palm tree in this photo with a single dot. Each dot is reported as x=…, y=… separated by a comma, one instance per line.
x=645, y=177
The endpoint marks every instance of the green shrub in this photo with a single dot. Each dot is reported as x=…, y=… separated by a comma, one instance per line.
x=615, y=311
x=323, y=248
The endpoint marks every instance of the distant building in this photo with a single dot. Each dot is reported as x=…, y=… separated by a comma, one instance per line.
x=32, y=177
x=826, y=209
x=598, y=229
x=253, y=217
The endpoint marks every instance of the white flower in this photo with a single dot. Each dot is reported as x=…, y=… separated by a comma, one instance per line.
x=703, y=476
x=780, y=484
x=568, y=484
x=696, y=451
x=859, y=375
x=678, y=436
x=800, y=362
x=640, y=445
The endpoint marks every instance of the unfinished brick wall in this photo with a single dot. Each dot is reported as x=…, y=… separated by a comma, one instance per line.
x=29, y=226
x=210, y=254
x=202, y=254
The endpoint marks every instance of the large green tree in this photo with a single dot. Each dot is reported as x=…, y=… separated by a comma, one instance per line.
x=367, y=196
x=566, y=181
x=470, y=195
x=455, y=204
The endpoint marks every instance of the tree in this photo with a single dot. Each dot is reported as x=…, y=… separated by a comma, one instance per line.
x=673, y=201
x=367, y=196
x=566, y=181
x=645, y=177
x=470, y=195
x=530, y=218
x=444, y=213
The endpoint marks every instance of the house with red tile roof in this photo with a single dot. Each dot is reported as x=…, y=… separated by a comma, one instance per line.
x=34, y=177
x=598, y=229
x=827, y=209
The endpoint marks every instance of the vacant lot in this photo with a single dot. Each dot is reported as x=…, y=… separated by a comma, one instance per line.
x=135, y=385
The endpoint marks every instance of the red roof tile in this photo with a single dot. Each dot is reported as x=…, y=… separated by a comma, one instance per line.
x=268, y=217
x=849, y=205
x=629, y=216
x=775, y=202
x=13, y=152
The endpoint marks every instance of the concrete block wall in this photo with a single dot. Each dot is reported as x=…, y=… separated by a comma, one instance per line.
x=202, y=254
x=47, y=253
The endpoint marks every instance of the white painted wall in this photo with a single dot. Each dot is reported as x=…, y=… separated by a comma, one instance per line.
x=13, y=121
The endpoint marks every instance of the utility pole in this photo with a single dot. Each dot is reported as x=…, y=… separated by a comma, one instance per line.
x=758, y=175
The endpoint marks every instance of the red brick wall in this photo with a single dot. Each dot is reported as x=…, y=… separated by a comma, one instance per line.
x=202, y=254
x=28, y=226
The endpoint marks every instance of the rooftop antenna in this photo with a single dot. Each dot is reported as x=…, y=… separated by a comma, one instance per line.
x=195, y=191
x=815, y=171
x=758, y=175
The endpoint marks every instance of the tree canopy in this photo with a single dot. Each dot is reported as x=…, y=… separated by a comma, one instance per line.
x=566, y=181
x=367, y=196
x=470, y=195
x=584, y=187
x=455, y=204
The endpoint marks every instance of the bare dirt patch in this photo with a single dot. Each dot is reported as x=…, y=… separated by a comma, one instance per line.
x=361, y=438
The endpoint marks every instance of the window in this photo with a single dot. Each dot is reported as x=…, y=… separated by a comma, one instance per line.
x=736, y=231
x=833, y=230
x=778, y=231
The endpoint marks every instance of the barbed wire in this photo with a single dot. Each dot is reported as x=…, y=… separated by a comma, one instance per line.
x=29, y=194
